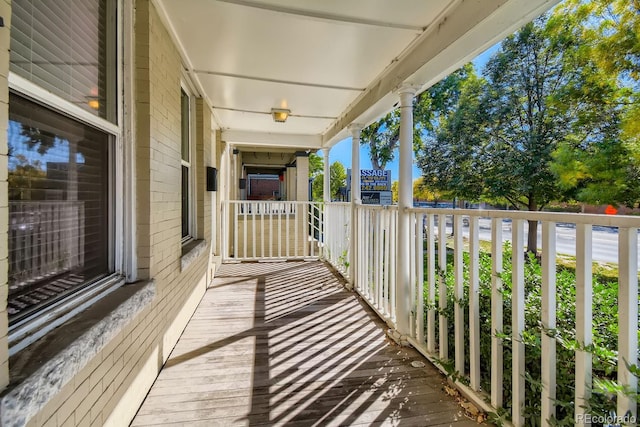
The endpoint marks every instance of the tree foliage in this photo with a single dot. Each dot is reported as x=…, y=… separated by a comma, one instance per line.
x=423, y=191
x=316, y=165
x=25, y=176
x=382, y=139
x=338, y=177
x=609, y=30
x=502, y=136
x=394, y=191
x=450, y=158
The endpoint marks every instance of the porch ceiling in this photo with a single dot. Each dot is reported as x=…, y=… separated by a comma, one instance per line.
x=331, y=62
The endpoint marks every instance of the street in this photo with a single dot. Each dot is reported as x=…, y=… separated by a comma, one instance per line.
x=605, y=239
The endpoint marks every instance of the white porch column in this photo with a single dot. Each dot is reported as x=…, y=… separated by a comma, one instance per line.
x=326, y=183
x=326, y=197
x=302, y=194
x=355, y=198
x=405, y=200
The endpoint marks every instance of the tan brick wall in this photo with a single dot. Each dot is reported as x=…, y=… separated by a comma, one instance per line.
x=143, y=137
x=164, y=151
x=109, y=389
x=5, y=12
x=204, y=149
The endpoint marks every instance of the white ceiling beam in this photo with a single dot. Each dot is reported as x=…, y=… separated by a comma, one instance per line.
x=284, y=82
x=480, y=23
x=323, y=15
x=240, y=137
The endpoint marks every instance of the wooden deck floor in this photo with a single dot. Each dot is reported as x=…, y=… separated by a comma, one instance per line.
x=285, y=344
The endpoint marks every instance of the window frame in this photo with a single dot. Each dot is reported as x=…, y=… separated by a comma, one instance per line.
x=187, y=89
x=25, y=331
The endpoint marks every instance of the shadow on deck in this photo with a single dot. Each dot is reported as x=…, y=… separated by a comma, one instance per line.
x=286, y=344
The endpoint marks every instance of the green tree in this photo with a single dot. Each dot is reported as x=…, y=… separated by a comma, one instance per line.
x=452, y=154
x=499, y=140
x=609, y=170
x=394, y=191
x=422, y=191
x=434, y=105
x=24, y=176
x=544, y=93
x=316, y=165
x=382, y=139
x=338, y=176
x=317, y=189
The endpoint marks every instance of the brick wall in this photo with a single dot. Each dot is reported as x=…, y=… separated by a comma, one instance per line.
x=204, y=148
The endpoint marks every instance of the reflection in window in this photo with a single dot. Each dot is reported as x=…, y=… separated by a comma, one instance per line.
x=58, y=206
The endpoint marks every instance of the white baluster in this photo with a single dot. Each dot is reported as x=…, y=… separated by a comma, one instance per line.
x=627, y=317
x=497, y=367
x=474, y=303
x=517, y=323
x=548, y=321
x=584, y=320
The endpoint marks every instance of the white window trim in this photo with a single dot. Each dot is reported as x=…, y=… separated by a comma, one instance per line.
x=23, y=333
x=126, y=118
x=30, y=90
x=188, y=90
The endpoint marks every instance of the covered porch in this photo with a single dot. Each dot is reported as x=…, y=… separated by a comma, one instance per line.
x=469, y=308
x=207, y=95
x=421, y=278
x=284, y=343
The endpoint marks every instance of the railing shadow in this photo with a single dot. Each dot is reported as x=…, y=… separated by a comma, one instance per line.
x=319, y=357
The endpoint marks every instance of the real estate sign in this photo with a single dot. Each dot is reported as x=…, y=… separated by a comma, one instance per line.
x=375, y=180
x=375, y=186
x=376, y=197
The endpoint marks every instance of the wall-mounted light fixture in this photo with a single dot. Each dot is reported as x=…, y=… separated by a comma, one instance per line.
x=280, y=115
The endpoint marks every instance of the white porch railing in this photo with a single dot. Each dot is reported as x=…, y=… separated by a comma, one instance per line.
x=272, y=230
x=376, y=259
x=445, y=289
x=45, y=240
x=337, y=235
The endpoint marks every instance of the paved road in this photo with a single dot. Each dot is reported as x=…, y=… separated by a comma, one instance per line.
x=605, y=239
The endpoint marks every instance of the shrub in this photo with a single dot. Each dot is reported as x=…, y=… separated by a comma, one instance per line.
x=603, y=349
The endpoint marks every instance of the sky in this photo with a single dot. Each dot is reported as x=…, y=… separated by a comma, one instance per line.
x=342, y=150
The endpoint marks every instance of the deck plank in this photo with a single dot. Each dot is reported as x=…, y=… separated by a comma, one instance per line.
x=286, y=344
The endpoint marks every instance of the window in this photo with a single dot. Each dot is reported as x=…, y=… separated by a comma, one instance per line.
x=68, y=49
x=186, y=165
x=62, y=160
x=58, y=206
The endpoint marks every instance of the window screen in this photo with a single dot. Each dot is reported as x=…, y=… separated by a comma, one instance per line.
x=59, y=183
x=67, y=48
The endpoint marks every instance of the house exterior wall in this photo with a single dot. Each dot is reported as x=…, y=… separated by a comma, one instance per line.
x=205, y=148
x=108, y=388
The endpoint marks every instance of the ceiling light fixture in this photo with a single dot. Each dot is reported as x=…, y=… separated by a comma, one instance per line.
x=280, y=115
